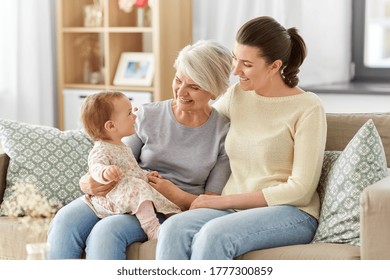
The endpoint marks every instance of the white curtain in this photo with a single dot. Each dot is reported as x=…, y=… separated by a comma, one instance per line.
x=324, y=25
x=27, y=64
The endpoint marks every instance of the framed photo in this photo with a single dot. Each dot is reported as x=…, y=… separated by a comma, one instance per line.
x=135, y=69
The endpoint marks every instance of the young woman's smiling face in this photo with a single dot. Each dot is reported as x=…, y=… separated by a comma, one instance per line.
x=253, y=71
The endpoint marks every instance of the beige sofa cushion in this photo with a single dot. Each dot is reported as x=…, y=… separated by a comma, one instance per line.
x=342, y=127
x=318, y=251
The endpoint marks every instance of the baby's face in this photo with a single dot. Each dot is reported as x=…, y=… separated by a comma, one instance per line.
x=123, y=116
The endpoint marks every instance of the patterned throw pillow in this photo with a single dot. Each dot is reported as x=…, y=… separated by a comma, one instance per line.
x=46, y=157
x=362, y=163
x=330, y=158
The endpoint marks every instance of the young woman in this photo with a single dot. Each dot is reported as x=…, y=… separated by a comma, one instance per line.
x=275, y=144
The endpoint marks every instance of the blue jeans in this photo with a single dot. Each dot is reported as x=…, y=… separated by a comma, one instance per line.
x=76, y=228
x=209, y=234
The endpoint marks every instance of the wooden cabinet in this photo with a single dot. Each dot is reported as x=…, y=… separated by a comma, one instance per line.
x=89, y=48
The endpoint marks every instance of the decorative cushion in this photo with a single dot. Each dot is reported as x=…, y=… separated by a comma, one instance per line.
x=362, y=163
x=330, y=158
x=46, y=157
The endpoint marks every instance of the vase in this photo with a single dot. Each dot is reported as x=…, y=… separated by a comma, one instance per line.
x=93, y=16
x=86, y=71
x=37, y=251
x=144, y=16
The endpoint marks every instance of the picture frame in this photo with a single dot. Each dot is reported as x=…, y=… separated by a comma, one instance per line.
x=135, y=69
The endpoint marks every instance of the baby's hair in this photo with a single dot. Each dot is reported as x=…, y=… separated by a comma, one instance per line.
x=96, y=110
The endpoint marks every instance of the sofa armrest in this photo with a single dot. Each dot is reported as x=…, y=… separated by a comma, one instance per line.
x=375, y=221
x=4, y=160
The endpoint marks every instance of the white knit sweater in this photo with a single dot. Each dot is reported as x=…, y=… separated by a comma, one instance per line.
x=275, y=145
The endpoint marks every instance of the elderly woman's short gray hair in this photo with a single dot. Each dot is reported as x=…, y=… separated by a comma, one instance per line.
x=208, y=64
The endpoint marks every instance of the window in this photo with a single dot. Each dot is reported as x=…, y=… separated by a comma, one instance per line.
x=371, y=40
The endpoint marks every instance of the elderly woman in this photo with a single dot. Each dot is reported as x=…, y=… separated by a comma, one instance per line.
x=182, y=138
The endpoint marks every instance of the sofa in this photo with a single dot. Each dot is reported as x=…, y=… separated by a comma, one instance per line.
x=373, y=225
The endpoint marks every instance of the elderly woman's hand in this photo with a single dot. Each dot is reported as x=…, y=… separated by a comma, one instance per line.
x=172, y=192
x=153, y=174
x=161, y=185
x=90, y=186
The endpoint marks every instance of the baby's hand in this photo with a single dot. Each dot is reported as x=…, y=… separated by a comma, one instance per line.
x=154, y=174
x=112, y=173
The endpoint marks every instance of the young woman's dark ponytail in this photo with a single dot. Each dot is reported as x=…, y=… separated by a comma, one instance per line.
x=297, y=56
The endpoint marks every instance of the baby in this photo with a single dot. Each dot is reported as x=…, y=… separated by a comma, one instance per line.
x=107, y=118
